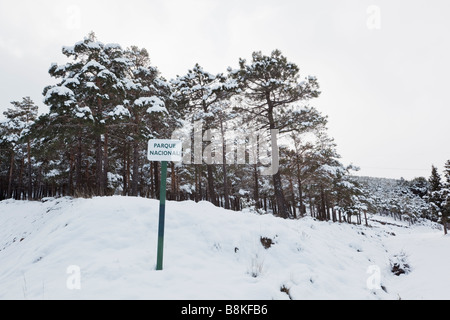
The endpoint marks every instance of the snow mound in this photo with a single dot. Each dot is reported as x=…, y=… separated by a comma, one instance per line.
x=210, y=253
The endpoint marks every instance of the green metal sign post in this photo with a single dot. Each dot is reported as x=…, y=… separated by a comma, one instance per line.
x=163, y=151
x=162, y=216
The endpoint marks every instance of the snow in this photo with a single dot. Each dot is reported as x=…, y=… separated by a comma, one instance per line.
x=428, y=255
x=332, y=170
x=123, y=61
x=210, y=253
x=243, y=192
x=60, y=91
x=92, y=86
x=83, y=112
x=187, y=188
x=157, y=108
x=107, y=74
x=112, y=46
x=53, y=173
x=70, y=81
x=155, y=103
x=129, y=84
x=92, y=64
x=346, y=184
x=94, y=45
x=68, y=50
x=120, y=111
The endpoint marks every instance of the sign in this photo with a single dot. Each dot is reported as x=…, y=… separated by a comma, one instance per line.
x=165, y=150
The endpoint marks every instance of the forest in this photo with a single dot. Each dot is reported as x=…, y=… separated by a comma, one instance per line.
x=109, y=102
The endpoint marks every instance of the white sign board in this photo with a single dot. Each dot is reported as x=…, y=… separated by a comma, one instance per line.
x=165, y=150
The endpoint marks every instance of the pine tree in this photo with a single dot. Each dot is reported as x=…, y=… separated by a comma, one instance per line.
x=436, y=196
x=86, y=94
x=447, y=174
x=107, y=104
x=145, y=101
x=270, y=86
x=19, y=120
x=445, y=193
x=200, y=92
x=223, y=120
x=435, y=180
x=419, y=186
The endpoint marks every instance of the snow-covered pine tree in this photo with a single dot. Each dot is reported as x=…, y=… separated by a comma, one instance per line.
x=447, y=173
x=302, y=162
x=445, y=193
x=223, y=122
x=16, y=134
x=419, y=186
x=145, y=101
x=199, y=91
x=88, y=97
x=435, y=195
x=270, y=86
x=329, y=170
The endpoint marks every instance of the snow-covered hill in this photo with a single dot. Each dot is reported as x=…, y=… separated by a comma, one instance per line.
x=210, y=253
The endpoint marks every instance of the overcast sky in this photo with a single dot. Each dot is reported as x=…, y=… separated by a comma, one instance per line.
x=383, y=66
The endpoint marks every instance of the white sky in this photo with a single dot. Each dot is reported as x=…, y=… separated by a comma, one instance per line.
x=384, y=90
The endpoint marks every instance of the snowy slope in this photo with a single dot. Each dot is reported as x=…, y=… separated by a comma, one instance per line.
x=210, y=253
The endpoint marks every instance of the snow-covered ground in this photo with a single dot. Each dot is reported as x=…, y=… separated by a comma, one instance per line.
x=105, y=248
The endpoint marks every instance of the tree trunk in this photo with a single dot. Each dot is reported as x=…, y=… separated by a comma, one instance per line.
x=135, y=175
x=178, y=187
x=226, y=192
x=291, y=186
x=21, y=184
x=105, y=163
x=152, y=182
x=99, y=165
x=30, y=181
x=300, y=196
x=156, y=179
x=78, y=175
x=11, y=169
x=124, y=171
x=90, y=187
x=322, y=208
x=173, y=181
x=199, y=177
x=128, y=172
x=256, y=190
x=224, y=167
x=71, y=166
x=211, y=191
x=283, y=210
x=197, y=185
x=327, y=205
x=365, y=217
x=444, y=220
